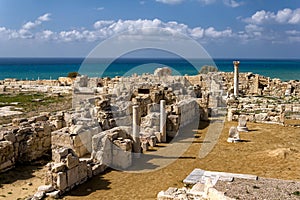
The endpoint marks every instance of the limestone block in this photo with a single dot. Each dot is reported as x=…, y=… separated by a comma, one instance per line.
x=58, y=167
x=214, y=194
x=98, y=168
x=62, y=183
x=261, y=117
x=61, y=138
x=38, y=195
x=126, y=145
x=41, y=118
x=72, y=176
x=47, y=142
x=82, y=171
x=46, y=188
x=158, y=136
x=6, y=165
x=71, y=161
x=89, y=171
x=102, y=146
x=54, y=194
x=58, y=154
x=121, y=159
x=17, y=121
x=10, y=136
x=152, y=141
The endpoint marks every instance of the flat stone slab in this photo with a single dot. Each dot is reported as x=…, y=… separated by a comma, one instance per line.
x=6, y=111
x=200, y=175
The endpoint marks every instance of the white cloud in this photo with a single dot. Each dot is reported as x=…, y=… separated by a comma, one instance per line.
x=285, y=16
x=171, y=2
x=102, y=23
x=295, y=17
x=197, y=33
x=292, y=32
x=31, y=25
x=212, y=33
x=232, y=3
x=44, y=18
x=141, y=29
x=253, y=28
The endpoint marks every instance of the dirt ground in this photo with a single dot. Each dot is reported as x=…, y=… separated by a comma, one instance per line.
x=270, y=151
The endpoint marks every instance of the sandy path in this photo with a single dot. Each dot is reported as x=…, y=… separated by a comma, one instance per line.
x=253, y=157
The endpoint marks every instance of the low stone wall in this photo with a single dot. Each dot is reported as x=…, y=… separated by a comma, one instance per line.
x=66, y=172
x=263, y=109
x=27, y=139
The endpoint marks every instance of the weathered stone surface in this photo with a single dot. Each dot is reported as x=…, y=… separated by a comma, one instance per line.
x=58, y=167
x=82, y=171
x=72, y=176
x=46, y=188
x=62, y=183
x=38, y=195
x=71, y=161
x=54, y=194
x=59, y=153
x=98, y=168
x=233, y=135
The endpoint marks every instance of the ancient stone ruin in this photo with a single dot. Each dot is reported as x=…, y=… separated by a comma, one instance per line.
x=115, y=120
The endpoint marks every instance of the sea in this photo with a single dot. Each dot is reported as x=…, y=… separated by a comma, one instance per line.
x=52, y=68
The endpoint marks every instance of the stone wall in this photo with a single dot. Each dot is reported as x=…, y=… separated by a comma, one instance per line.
x=26, y=139
x=63, y=85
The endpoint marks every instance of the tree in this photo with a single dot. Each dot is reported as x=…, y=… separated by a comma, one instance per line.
x=205, y=69
x=73, y=74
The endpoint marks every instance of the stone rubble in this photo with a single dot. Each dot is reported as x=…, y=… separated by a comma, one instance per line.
x=112, y=118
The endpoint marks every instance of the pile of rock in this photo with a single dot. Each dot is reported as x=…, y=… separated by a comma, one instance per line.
x=198, y=191
x=65, y=172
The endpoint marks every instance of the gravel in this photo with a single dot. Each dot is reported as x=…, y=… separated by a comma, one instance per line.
x=263, y=188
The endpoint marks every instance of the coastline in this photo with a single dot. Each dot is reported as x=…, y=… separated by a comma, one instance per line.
x=53, y=68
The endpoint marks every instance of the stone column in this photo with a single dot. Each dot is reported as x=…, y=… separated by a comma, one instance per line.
x=136, y=130
x=163, y=131
x=236, y=78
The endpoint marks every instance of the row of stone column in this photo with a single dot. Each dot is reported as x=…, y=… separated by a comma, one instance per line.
x=136, y=126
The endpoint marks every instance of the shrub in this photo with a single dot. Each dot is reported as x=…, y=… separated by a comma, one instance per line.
x=73, y=74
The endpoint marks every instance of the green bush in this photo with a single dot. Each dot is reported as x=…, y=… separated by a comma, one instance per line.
x=73, y=74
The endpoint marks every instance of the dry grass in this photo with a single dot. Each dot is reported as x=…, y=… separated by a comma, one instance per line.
x=271, y=151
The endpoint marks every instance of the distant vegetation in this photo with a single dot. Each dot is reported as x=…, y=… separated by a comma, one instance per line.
x=205, y=69
x=73, y=74
x=27, y=101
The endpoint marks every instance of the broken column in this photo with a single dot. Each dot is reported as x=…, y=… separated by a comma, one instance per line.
x=242, y=127
x=136, y=130
x=236, y=78
x=234, y=135
x=163, y=131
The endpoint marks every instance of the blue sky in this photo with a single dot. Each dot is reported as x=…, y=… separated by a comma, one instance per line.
x=225, y=28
